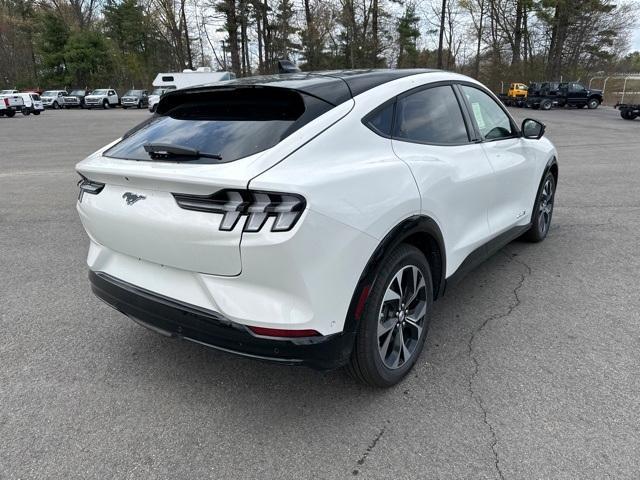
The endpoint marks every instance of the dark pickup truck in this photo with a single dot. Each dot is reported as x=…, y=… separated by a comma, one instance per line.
x=567, y=94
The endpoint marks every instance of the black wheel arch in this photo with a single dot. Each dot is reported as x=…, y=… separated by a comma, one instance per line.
x=420, y=231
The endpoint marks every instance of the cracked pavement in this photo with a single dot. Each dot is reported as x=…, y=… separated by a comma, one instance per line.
x=530, y=368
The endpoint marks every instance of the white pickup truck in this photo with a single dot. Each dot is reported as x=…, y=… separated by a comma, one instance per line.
x=10, y=104
x=102, y=98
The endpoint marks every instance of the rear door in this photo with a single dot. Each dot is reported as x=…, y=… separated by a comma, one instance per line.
x=431, y=134
x=512, y=162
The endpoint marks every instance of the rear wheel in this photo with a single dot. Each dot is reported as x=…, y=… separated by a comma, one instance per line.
x=546, y=104
x=543, y=211
x=26, y=111
x=394, y=324
x=11, y=113
x=593, y=103
x=36, y=112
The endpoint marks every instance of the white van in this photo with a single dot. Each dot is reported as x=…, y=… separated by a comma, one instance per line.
x=165, y=82
x=32, y=103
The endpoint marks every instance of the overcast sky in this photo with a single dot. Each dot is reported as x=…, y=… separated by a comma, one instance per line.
x=635, y=41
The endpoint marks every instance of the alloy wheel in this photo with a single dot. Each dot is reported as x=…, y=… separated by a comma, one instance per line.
x=545, y=206
x=402, y=317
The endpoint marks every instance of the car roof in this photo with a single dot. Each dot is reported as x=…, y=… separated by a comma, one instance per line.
x=334, y=86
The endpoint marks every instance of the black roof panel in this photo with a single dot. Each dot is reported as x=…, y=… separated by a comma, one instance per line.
x=334, y=87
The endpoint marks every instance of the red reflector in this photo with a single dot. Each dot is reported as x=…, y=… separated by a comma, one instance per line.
x=361, y=301
x=276, y=332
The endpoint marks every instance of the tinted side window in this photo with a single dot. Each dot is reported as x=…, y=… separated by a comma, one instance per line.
x=382, y=120
x=430, y=116
x=490, y=118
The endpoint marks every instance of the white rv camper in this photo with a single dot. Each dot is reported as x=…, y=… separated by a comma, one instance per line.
x=165, y=82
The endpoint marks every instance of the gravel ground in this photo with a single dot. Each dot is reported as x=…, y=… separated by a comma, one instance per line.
x=530, y=370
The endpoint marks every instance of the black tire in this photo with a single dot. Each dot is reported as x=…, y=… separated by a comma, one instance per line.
x=593, y=103
x=36, y=112
x=11, y=113
x=542, y=211
x=124, y=108
x=105, y=104
x=56, y=105
x=546, y=104
x=368, y=363
x=139, y=105
x=26, y=112
x=153, y=109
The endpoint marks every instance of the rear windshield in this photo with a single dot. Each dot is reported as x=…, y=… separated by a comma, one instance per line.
x=229, y=123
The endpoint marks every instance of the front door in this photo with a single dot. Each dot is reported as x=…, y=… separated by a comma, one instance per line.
x=513, y=165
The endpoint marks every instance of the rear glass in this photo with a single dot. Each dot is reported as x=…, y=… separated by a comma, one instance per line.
x=231, y=123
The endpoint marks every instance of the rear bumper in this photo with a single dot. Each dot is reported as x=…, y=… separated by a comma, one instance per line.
x=176, y=319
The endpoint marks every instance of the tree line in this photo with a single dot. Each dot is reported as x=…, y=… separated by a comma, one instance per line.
x=124, y=43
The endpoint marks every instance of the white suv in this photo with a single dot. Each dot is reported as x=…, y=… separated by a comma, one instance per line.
x=311, y=218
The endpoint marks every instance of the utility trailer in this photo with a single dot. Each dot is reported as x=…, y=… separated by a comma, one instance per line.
x=629, y=111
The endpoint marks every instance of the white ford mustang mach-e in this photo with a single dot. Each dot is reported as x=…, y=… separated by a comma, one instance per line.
x=311, y=218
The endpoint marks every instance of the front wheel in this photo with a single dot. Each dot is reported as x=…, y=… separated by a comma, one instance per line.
x=36, y=112
x=26, y=112
x=395, y=320
x=543, y=211
x=593, y=103
x=105, y=104
x=56, y=105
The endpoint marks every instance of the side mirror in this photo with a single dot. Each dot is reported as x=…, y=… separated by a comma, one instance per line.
x=532, y=128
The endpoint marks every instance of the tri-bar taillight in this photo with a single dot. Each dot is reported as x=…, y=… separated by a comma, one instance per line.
x=255, y=206
x=89, y=186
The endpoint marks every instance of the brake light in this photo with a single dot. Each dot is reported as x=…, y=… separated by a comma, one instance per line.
x=6, y=102
x=255, y=206
x=277, y=332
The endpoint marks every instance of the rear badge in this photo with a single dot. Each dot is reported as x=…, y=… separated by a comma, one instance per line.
x=132, y=198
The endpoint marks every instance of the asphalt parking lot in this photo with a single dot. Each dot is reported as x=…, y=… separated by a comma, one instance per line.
x=530, y=369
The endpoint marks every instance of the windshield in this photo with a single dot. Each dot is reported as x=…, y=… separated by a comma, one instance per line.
x=232, y=124
x=162, y=90
x=49, y=93
x=99, y=92
x=77, y=92
x=134, y=93
x=6, y=92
